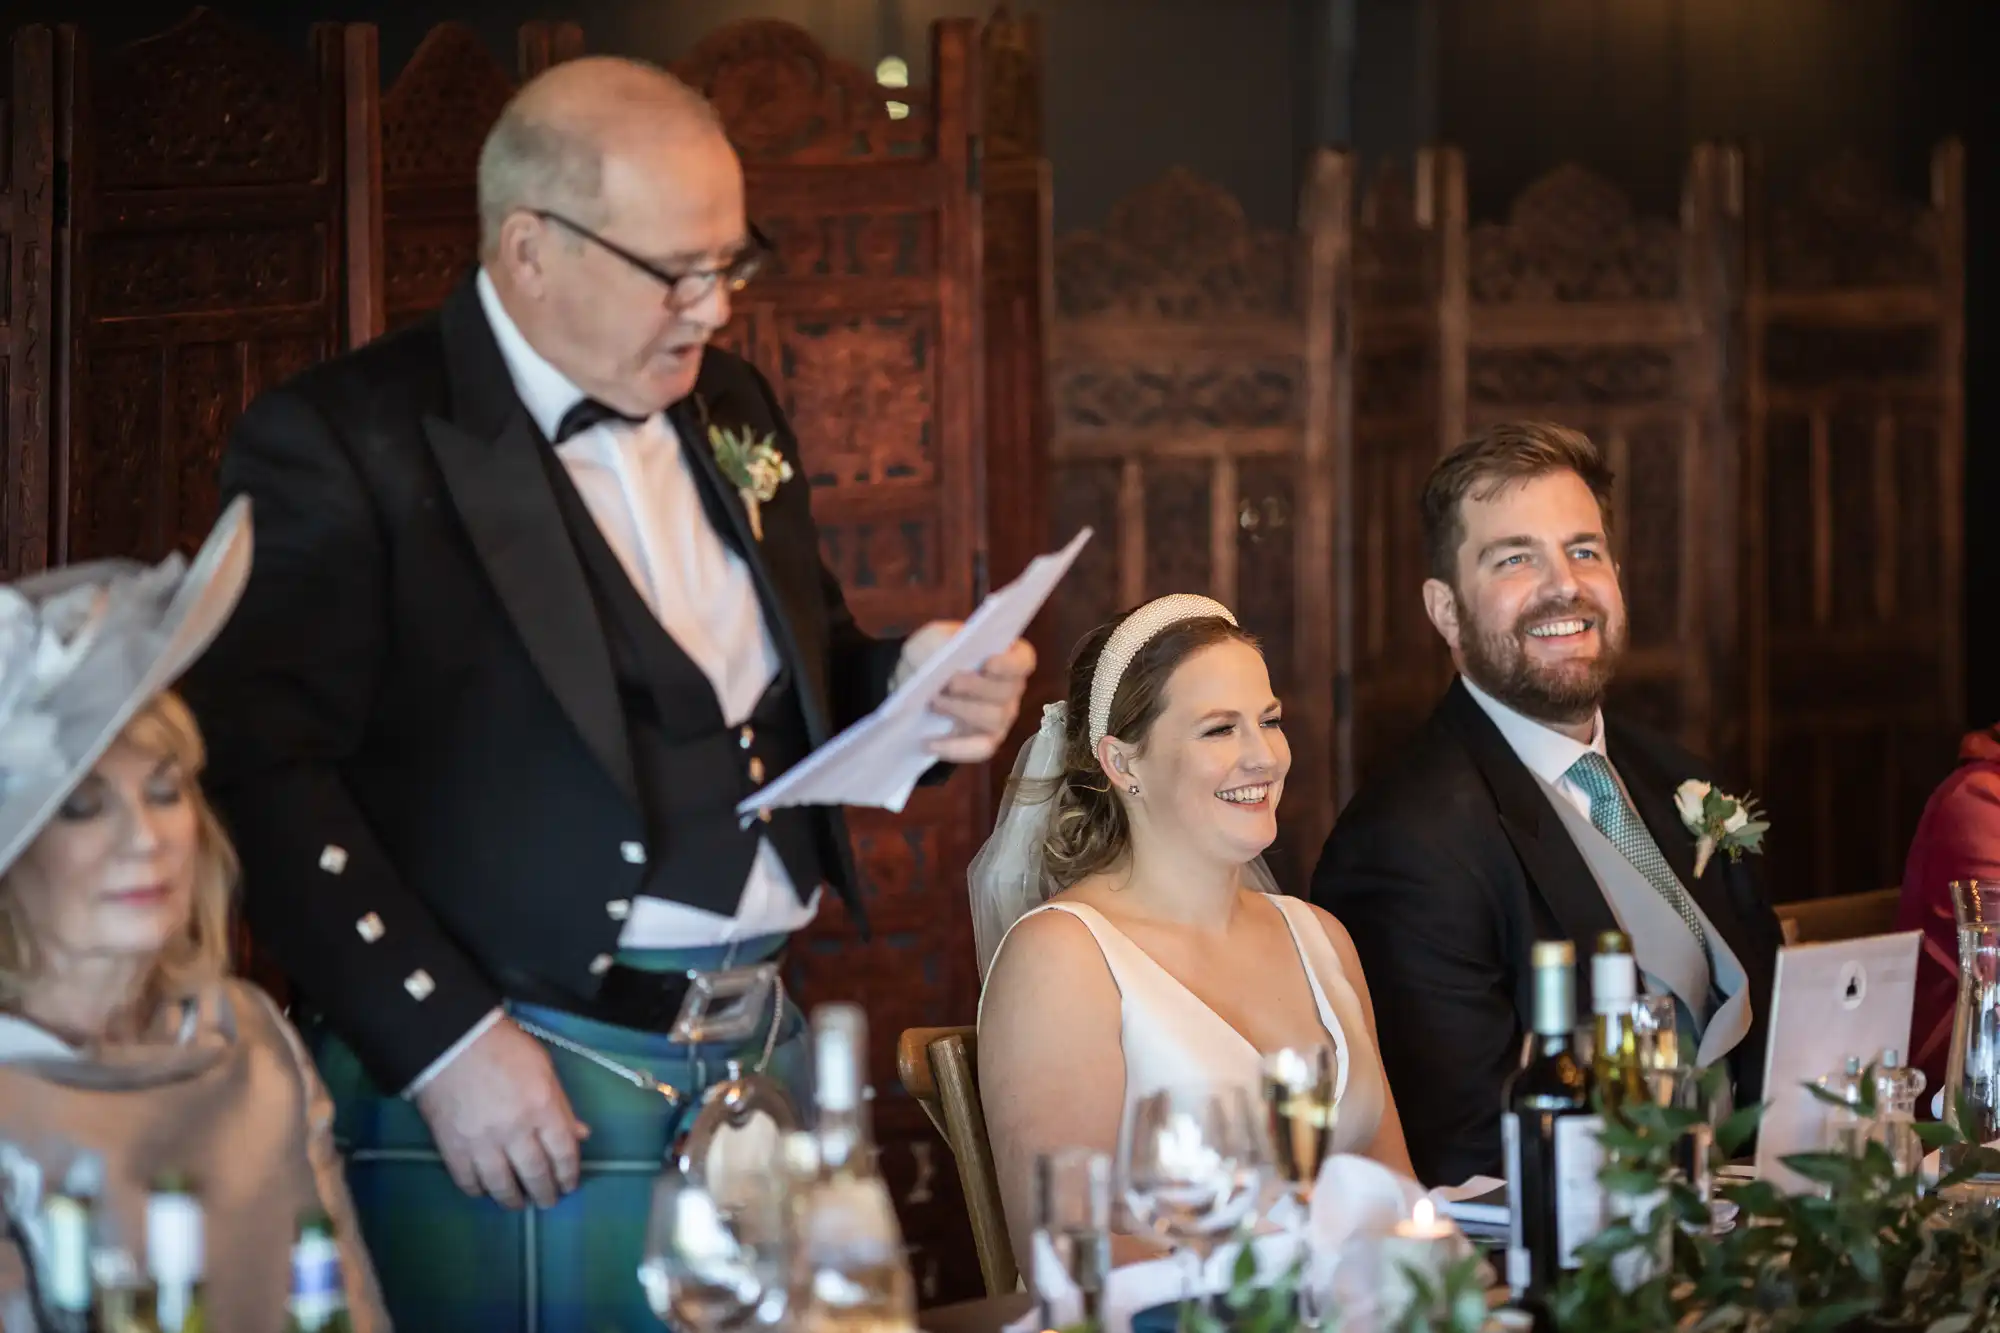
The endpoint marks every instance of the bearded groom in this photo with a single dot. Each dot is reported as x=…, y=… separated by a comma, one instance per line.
x=1522, y=811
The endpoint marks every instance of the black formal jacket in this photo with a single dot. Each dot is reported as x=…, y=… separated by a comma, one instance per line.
x=414, y=732
x=1446, y=870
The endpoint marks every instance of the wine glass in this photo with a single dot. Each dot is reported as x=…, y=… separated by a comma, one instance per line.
x=1302, y=1112
x=1073, y=1231
x=1195, y=1166
x=711, y=1263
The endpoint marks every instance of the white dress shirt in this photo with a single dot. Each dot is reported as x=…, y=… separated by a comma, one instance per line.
x=1546, y=752
x=637, y=485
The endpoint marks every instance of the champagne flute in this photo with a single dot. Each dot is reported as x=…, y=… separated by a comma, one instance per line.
x=1674, y=1084
x=1300, y=1106
x=708, y=1266
x=1656, y=1024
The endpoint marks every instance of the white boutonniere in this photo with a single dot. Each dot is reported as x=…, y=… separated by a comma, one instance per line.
x=1719, y=822
x=753, y=465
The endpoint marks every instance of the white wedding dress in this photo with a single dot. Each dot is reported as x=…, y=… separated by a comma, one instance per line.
x=1172, y=1040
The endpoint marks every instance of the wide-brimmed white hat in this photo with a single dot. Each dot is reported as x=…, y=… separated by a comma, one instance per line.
x=84, y=648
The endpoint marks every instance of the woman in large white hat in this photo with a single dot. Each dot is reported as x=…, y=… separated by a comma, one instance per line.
x=126, y=1048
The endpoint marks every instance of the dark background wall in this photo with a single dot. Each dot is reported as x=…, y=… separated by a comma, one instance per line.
x=1240, y=90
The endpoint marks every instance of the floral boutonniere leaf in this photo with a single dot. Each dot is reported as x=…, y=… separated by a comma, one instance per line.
x=1720, y=822
x=752, y=464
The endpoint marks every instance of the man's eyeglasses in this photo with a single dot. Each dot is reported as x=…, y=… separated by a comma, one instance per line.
x=688, y=286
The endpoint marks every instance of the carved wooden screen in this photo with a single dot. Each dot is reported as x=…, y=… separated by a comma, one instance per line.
x=868, y=328
x=1582, y=311
x=27, y=279
x=1409, y=404
x=1856, y=433
x=203, y=264
x=1018, y=223
x=414, y=163
x=1187, y=361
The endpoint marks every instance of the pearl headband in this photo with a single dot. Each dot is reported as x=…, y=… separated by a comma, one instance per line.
x=1134, y=633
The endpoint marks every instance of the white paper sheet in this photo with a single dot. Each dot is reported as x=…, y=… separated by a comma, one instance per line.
x=878, y=760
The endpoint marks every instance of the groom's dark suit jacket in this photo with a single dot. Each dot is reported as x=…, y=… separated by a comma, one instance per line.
x=450, y=740
x=1449, y=866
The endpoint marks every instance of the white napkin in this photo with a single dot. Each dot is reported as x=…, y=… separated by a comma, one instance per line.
x=1356, y=1203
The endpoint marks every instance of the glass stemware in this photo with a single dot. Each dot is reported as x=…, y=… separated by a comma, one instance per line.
x=1301, y=1110
x=1195, y=1167
x=1073, y=1232
x=1656, y=1024
x=714, y=1263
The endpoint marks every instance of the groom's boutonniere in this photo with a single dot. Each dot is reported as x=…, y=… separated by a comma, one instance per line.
x=753, y=466
x=1719, y=821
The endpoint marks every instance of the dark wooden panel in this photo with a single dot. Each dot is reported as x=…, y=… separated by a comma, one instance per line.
x=1401, y=413
x=1856, y=450
x=28, y=354
x=205, y=173
x=1085, y=494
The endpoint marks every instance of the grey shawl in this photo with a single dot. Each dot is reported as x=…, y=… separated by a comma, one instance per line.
x=232, y=1101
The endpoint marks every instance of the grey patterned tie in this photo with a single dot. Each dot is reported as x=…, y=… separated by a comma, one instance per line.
x=1617, y=820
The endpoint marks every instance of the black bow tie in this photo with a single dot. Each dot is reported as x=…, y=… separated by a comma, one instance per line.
x=587, y=414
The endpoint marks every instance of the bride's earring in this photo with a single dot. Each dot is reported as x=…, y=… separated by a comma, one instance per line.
x=1133, y=788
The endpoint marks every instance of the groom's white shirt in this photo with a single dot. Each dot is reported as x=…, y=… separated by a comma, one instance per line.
x=1546, y=752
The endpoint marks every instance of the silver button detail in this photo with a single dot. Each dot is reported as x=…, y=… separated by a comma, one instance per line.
x=633, y=852
x=333, y=859
x=419, y=985
x=745, y=738
x=618, y=908
x=369, y=928
x=756, y=769
x=600, y=965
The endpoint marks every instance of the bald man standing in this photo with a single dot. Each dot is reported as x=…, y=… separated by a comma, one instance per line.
x=515, y=645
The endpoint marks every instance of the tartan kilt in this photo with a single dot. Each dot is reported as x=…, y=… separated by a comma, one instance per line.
x=449, y=1263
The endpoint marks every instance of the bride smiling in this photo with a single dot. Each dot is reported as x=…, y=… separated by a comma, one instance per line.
x=1129, y=935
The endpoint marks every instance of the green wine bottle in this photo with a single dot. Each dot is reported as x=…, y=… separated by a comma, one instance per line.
x=1549, y=1138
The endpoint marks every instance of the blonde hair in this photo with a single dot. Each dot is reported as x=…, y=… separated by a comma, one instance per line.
x=200, y=954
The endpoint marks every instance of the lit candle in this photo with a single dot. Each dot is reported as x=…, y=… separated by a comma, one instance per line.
x=1421, y=1243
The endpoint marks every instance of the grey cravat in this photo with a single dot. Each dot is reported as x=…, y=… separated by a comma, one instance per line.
x=1618, y=821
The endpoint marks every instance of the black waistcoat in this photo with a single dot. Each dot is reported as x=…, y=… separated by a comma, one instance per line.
x=692, y=767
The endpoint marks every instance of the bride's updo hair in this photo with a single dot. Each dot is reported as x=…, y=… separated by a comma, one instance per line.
x=1088, y=831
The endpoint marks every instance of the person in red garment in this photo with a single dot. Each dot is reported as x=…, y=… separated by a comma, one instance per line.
x=1957, y=838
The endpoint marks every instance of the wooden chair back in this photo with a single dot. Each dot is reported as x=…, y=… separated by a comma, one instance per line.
x=1847, y=917
x=939, y=1067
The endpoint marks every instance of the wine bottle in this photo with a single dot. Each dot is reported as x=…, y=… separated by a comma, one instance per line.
x=318, y=1301
x=1549, y=1136
x=174, y=1257
x=69, y=1217
x=855, y=1272
x=1614, y=989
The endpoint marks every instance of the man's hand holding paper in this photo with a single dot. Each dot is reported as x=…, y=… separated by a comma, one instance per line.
x=956, y=695
x=981, y=704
